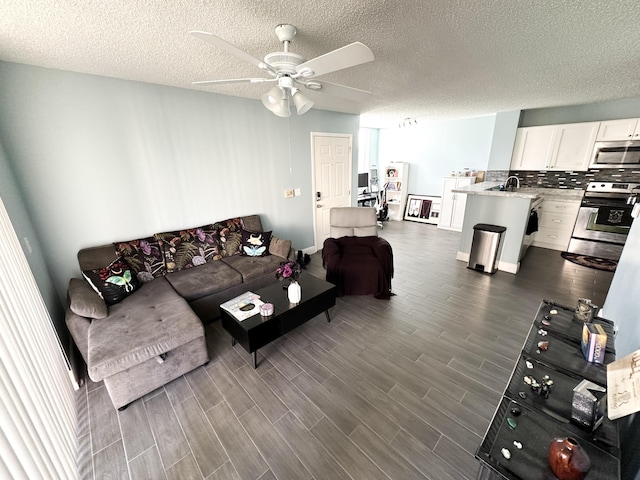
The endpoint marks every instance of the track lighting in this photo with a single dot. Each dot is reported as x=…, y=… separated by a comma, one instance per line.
x=407, y=122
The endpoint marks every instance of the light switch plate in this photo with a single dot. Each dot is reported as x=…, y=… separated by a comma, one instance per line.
x=288, y=194
x=298, y=192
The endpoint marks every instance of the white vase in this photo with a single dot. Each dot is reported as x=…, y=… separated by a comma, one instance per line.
x=294, y=292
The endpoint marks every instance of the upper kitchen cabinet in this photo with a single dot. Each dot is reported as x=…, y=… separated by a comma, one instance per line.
x=533, y=148
x=574, y=146
x=625, y=129
x=554, y=147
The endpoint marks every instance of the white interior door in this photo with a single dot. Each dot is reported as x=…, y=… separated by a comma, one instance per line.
x=332, y=178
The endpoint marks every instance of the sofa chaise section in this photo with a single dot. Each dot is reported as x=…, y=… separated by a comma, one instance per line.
x=143, y=342
x=159, y=339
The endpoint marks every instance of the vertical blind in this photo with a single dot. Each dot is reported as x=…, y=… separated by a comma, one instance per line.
x=37, y=415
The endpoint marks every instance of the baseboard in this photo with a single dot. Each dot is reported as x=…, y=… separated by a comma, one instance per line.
x=463, y=257
x=502, y=266
x=508, y=267
x=452, y=229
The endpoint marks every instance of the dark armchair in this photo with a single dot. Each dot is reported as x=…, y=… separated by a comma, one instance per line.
x=357, y=261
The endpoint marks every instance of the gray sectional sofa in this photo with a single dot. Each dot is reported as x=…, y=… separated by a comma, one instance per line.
x=167, y=286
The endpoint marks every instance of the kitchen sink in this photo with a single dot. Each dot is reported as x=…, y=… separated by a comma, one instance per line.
x=502, y=188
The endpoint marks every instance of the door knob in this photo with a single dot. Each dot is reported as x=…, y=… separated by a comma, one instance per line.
x=318, y=205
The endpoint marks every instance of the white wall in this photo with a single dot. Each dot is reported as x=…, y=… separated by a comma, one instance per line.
x=593, y=112
x=622, y=306
x=100, y=159
x=504, y=137
x=435, y=150
x=623, y=300
x=24, y=228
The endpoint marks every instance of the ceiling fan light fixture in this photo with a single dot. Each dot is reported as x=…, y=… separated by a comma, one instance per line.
x=290, y=70
x=302, y=103
x=272, y=98
x=283, y=110
x=277, y=102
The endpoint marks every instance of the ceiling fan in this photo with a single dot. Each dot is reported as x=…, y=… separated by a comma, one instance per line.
x=291, y=71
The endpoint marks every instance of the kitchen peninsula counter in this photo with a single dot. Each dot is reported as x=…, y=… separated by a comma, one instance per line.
x=487, y=204
x=486, y=188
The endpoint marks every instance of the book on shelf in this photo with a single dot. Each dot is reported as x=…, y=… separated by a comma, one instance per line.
x=243, y=306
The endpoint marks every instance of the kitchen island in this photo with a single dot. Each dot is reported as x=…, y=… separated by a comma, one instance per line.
x=486, y=203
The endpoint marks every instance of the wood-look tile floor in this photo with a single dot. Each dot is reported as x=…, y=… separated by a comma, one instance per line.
x=397, y=389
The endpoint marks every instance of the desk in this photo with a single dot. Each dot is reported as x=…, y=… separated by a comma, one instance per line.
x=367, y=199
x=539, y=419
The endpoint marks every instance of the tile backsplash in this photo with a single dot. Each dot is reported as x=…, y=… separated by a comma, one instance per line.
x=569, y=179
x=496, y=175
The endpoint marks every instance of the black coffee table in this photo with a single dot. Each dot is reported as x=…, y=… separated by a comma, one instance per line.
x=257, y=331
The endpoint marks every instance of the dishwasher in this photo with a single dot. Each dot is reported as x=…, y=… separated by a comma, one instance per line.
x=532, y=226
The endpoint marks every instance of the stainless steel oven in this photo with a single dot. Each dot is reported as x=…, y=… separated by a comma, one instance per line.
x=604, y=219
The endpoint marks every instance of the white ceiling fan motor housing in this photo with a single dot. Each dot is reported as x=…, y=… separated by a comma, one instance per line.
x=284, y=62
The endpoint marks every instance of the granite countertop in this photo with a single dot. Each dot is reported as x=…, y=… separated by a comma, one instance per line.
x=484, y=188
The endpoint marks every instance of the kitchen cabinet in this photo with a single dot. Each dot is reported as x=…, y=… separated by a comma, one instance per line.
x=625, y=129
x=554, y=147
x=533, y=148
x=453, y=204
x=395, y=180
x=556, y=219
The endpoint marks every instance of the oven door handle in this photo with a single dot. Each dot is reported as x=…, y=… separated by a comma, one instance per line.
x=604, y=203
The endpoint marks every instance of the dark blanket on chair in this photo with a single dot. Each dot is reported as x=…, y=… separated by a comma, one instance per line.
x=359, y=265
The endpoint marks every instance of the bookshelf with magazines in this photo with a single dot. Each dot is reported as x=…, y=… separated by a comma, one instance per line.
x=395, y=184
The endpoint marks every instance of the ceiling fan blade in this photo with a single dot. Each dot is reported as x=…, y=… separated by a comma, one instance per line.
x=234, y=80
x=226, y=46
x=343, y=91
x=348, y=56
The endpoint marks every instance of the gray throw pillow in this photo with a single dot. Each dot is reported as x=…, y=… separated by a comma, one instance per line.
x=84, y=301
x=279, y=247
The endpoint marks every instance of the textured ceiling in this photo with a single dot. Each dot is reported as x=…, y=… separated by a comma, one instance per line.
x=435, y=59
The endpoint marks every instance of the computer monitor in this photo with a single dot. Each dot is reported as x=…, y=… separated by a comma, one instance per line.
x=363, y=180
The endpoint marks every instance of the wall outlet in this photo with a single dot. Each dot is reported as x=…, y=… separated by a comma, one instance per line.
x=27, y=245
x=288, y=194
x=298, y=192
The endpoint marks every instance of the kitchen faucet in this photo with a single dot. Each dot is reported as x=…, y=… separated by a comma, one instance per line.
x=506, y=183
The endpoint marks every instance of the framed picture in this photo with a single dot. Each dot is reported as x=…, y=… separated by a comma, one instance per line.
x=422, y=208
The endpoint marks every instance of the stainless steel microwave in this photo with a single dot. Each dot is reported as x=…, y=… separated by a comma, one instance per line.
x=618, y=154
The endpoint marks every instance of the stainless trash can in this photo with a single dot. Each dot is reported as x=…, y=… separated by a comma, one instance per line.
x=484, y=247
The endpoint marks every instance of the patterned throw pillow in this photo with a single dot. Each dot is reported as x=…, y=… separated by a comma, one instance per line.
x=114, y=282
x=144, y=256
x=189, y=248
x=255, y=244
x=229, y=232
